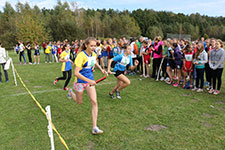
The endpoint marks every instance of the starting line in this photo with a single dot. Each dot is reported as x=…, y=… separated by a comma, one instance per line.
x=48, y=91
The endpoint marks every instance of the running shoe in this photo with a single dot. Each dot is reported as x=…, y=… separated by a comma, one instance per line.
x=65, y=88
x=216, y=92
x=175, y=85
x=169, y=82
x=118, y=95
x=162, y=78
x=199, y=90
x=69, y=95
x=211, y=91
x=194, y=89
x=111, y=95
x=55, y=81
x=96, y=131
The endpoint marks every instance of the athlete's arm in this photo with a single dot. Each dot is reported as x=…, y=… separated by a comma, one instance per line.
x=109, y=66
x=136, y=62
x=102, y=70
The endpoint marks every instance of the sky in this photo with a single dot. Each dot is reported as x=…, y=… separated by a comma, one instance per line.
x=213, y=8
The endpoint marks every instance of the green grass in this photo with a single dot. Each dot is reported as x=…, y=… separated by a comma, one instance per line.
x=193, y=120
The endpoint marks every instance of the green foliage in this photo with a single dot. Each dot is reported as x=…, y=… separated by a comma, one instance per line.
x=154, y=31
x=29, y=24
x=70, y=22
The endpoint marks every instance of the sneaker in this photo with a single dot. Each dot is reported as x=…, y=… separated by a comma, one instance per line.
x=7, y=81
x=191, y=86
x=30, y=63
x=65, y=88
x=169, y=82
x=162, y=78
x=199, y=90
x=38, y=63
x=0, y=81
x=69, y=95
x=216, y=92
x=55, y=81
x=118, y=95
x=211, y=91
x=183, y=86
x=46, y=62
x=25, y=63
x=175, y=85
x=111, y=95
x=34, y=63
x=175, y=78
x=96, y=131
x=20, y=63
x=194, y=89
x=167, y=79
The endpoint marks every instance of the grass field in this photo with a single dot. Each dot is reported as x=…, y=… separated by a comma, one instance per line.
x=192, y=120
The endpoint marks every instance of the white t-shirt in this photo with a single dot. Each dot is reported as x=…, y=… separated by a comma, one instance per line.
x=21, y=47
x=2, y=55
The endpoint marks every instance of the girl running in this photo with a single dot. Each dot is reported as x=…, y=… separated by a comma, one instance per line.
x=84, y=79
x=66, y=66
x=122, y=61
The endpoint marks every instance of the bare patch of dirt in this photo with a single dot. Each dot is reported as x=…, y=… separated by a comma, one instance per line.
x=91, y=145
x=186, y=95
x=207, y=115
x=220, y=102
x=195, y=100
x=38, y=86
x=206, y=124
x=156, y=127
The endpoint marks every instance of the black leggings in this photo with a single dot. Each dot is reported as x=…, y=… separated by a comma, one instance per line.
x=64, y=77
x=208, y=74
x=156, y=64
x=200, y=76
x=29, y=56
x=217, y=74
x=164, y=66
x=139, y=58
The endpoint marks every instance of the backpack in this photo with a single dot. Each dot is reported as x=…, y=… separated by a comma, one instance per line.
x=135, y=48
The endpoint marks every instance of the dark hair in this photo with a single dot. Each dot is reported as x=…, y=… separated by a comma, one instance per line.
x=187, y=48
x=87, y=41
x=145, y=42
x=175, y=45
x=98, y=44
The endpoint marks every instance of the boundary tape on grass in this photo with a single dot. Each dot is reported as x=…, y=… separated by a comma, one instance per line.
x=43, y=111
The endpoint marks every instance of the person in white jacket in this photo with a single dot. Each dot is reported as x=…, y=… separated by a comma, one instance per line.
x=2, y=63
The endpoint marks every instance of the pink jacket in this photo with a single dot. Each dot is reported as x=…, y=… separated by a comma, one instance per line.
x=156, y=47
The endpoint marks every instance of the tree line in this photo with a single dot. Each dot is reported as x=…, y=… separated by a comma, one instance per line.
x=70, y=22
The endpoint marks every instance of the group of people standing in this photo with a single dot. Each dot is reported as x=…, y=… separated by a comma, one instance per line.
x=173, y=61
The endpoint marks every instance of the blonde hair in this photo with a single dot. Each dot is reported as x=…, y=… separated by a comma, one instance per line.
x=200, y=50
x=221, y=43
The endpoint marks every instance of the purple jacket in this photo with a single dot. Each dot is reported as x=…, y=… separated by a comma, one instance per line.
x=178, y=56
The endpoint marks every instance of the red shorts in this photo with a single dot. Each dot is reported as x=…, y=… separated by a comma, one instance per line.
x=188, y=69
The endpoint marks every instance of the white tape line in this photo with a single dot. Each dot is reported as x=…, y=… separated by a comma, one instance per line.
x=47, y=91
